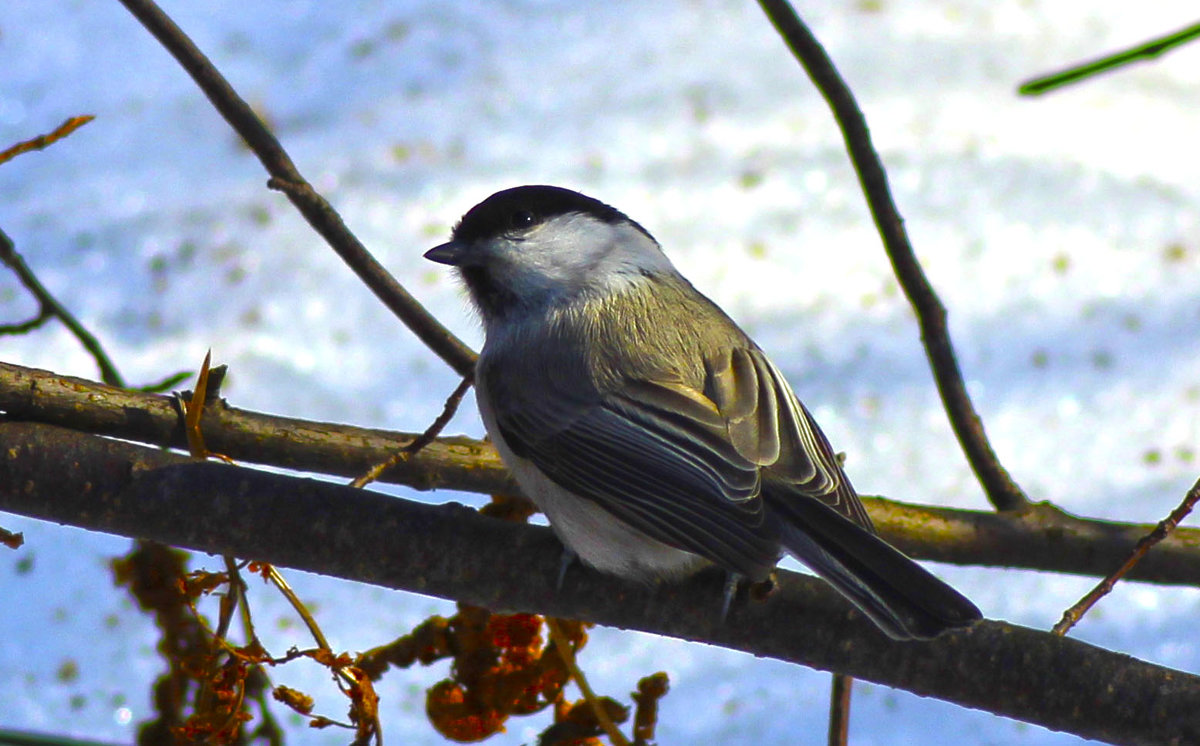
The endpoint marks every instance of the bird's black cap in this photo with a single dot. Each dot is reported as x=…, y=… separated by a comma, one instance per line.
x=526, y=206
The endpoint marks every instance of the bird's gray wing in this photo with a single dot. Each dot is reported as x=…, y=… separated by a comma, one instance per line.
x=769, y=426
x=657, y=456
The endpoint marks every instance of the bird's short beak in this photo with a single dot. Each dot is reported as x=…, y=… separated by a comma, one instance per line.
x=451, y=253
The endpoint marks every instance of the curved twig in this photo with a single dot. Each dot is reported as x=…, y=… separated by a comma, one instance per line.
x=1001, y=490
x=50, y=307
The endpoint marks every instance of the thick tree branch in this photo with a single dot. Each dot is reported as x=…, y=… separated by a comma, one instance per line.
x=450, y=552
x=340, y=450
x=1001, y=490
x=286, y=177
x=1040, y=537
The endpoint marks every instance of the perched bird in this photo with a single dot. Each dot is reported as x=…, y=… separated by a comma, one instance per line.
x=653, y=433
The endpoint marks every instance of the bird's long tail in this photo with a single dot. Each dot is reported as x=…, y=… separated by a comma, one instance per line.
x=903, y=598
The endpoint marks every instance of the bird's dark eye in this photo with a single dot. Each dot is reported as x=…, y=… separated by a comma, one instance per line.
x=522, y=219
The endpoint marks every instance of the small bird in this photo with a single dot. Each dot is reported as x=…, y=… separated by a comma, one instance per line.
x=653, y=432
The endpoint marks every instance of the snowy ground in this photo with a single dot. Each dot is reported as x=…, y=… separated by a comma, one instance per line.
x=1063, y=234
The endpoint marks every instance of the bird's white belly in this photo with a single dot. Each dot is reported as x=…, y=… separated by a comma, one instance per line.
x=601, y=540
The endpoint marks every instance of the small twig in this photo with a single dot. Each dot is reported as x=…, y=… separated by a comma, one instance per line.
x=44, y=141
x=348, y=678
x=24, y=327
x=233, y=569
x=228, y=605
x=231, y=601
x=1147, y=542
x=563, y=645
x=840, y=690
x=1142, y=52
x=1001, y=490
x=166, y=384
x=425, y=438
x=285, y=177
x=51, y=307
x=314, y=629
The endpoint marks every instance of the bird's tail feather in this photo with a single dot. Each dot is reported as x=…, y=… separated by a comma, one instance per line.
x=904, y=599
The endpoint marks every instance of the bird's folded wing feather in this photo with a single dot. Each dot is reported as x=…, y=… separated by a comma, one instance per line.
x=657, y=456
x=683, y=466
x=769, y=426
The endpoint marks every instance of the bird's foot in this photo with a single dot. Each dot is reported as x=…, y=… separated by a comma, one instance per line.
x=564, y=563
x=732, y=581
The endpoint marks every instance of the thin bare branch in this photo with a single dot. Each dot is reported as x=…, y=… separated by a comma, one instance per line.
x=562, y=644
x=1147, y=50
x=421, y=440
x=840, y=690
x=44, y=141
x=24, y=327
x=286, y=178
x=50, y=307
x=1160, y=532
x=1001, y=490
